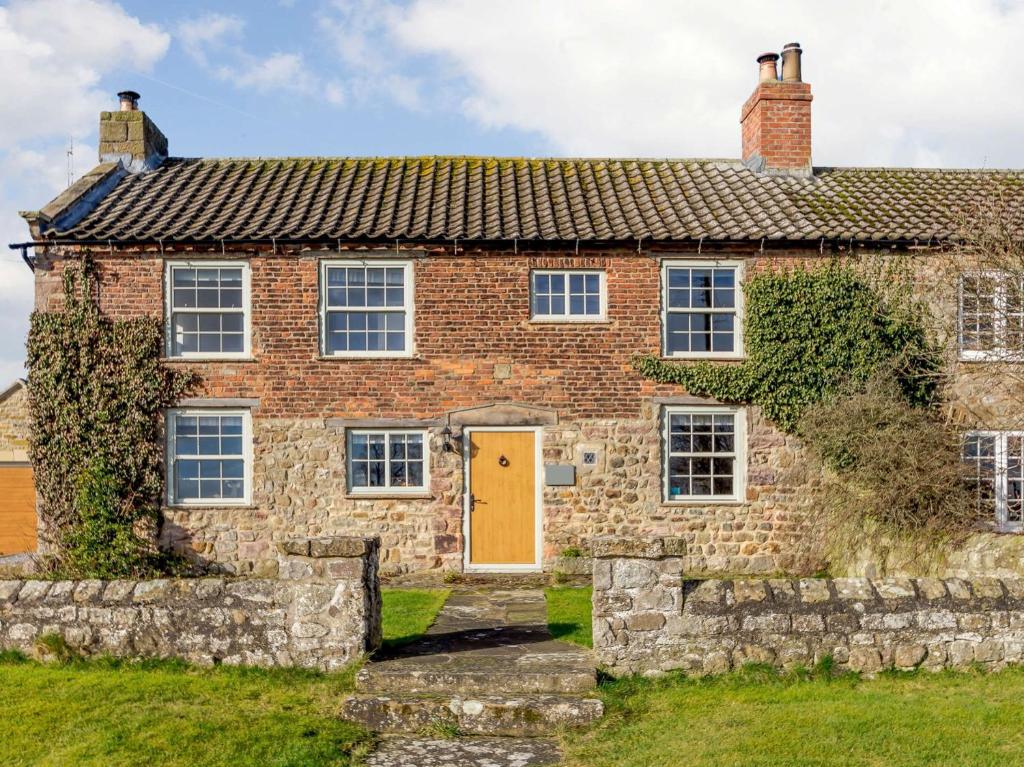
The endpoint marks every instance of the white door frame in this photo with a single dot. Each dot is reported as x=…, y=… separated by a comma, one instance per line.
x=536, y=565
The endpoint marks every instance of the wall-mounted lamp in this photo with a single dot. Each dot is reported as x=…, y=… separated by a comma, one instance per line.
x=446, y=437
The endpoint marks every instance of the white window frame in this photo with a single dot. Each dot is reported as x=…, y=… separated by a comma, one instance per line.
x=1001, y=478
x=703, y=263
x=739, y=483
x=408, y=306
x=387, y=489
x=602, y=314
x=169, y=267
x=1001, y=351
x=170, y=457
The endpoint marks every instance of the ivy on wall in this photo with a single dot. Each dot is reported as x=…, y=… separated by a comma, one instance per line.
x=809, y=331
x=97, y=392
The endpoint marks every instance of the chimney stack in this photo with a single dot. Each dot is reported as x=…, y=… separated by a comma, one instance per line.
x=776, y=120
x=130, y=137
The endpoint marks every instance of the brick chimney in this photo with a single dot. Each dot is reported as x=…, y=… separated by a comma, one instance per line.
x=130, y=137
x=776, y=120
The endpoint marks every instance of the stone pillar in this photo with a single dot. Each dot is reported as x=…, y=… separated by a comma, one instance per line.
x=638, y=588
x=336, y=597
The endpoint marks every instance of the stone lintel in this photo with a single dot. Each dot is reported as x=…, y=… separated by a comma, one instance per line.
x=504, y=414
x=612, y=547
x=687, y=399
x=252, y=402
x=383, y=423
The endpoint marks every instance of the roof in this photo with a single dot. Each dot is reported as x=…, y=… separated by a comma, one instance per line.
x=488, y=198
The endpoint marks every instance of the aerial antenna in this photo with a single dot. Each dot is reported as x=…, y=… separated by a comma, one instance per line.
x=71, y=160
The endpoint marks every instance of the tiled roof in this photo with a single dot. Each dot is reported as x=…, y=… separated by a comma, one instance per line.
x=442, y=198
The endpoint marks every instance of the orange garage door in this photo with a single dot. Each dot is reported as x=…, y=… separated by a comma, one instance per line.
x=17, y=510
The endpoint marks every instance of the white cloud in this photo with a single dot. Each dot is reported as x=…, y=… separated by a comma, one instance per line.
x=217, y=37
x=914, y=82
x=53, y=54
x=360, y=32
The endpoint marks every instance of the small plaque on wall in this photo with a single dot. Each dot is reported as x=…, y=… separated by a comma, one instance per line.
x=558, y=474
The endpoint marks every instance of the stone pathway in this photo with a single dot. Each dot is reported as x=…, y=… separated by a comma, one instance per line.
x=487, y=667
x=465, y=752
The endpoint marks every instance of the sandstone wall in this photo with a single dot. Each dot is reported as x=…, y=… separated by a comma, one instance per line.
x=323, y=612
x=14, y=425
x=649, y=618
x=300, y=489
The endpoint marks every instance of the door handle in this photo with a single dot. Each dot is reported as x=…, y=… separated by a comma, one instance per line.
x=473, y=502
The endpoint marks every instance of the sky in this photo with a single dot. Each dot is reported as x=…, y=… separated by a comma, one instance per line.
x=921, y=83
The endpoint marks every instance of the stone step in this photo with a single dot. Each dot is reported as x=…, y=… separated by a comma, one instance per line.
x=506, y=715
x=481, y=678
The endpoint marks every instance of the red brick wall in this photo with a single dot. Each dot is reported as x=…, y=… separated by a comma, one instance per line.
x=471, y=312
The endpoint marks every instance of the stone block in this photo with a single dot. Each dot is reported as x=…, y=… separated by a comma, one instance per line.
x=152, y=591
x=1014, y=587
x=908, y=656
x=987, y=588
x=341, y=546
x=33, y=591
x=9, y=590
x=650, y=621
x=633, y=574
x=782, y=589
x=814, y=590
x=895, y=588
x=809, y=623
x=773, y=623
x=749, y=591
x=988, y=651
x=602, y=575
x=931, y=588
x=960, y=653
x=710, y=592
x=854, y=589
x=865, y=660
x=958, y=589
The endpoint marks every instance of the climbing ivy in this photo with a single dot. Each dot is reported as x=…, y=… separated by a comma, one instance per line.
x=808, y=331
x=97, y=390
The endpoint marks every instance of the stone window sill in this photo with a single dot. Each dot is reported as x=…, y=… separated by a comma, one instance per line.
x=698, y=504
x=570, y=323
x=208, y=360
x=389, y=496
x=370, y=358
x=211, y=507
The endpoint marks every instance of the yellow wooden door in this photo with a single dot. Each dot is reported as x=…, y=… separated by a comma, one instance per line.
x=503, y=504
x=17, y=510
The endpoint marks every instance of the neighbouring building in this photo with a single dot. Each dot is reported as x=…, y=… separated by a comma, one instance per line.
x=17, y=489
x=438, y=350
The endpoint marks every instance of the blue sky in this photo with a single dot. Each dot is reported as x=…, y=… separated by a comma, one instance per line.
x=896, y=82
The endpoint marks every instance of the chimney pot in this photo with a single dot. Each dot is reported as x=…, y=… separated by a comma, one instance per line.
x=791, y=63
x=129, y=101
x=767, y=72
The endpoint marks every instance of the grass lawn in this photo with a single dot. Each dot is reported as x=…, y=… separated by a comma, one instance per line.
x=569, y=614
x=103, y=712
x=755, y=719
x=409, y=612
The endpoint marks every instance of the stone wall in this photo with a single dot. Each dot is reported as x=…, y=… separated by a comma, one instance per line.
x=300, y=481
x=324, y=611
x=14, y=424
x=649, y=618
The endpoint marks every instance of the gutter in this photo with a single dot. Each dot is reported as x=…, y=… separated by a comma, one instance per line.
x=23, y=247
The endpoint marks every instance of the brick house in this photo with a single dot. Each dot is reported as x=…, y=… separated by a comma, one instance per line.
x=438, y=350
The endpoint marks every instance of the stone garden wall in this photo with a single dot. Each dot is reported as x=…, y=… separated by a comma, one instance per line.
x=649, y=618
x=323, y=611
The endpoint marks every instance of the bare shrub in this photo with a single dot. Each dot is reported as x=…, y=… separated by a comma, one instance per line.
x=891, y=473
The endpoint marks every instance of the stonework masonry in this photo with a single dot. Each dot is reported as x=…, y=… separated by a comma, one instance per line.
x=475, y=346
x=648, y=617
x=323, y=611
x=14, y=424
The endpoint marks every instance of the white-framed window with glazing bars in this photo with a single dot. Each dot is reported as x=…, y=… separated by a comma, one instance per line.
x=702, y=309
x=994, y=462
x=209, y=457
x=207, y=309
x=366, y=308
x=991, y=316
x=704, y=454
x=388, y=461
x=568, y=295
